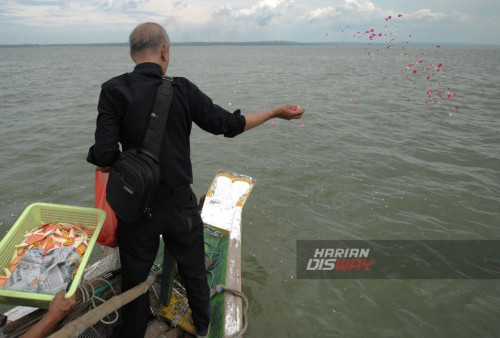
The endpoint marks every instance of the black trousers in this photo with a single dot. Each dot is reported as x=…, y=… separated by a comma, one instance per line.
x=175, y=215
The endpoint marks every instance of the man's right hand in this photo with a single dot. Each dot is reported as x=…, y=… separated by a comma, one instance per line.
x=61, y=306
x=285, y=111
x=288, y=112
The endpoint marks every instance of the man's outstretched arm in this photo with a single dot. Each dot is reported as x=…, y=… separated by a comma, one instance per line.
x=286, y=112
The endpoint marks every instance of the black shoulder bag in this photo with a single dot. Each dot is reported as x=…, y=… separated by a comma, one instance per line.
x=135, y=175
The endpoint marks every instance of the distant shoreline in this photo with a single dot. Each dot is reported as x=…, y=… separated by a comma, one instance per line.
x=251, y=43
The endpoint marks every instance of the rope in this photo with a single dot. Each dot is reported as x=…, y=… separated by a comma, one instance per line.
x=92, y=295
x=219, y=288
x=82, y=323
x=108, y=283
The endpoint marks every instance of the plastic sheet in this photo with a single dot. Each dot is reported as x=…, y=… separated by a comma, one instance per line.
x=107, y=236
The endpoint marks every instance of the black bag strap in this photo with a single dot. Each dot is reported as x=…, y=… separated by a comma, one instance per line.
x=154, y=134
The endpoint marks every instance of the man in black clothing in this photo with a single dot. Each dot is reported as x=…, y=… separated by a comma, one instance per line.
x=124, y=107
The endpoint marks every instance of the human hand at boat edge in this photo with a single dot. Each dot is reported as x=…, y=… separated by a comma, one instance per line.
x=288, y=112
x=61, y=306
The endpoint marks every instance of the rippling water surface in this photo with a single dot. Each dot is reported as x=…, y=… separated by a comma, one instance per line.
x=379, y=167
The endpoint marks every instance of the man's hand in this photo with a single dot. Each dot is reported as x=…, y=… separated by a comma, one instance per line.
x=288, y=112
x=60, y=306
x=285, y=111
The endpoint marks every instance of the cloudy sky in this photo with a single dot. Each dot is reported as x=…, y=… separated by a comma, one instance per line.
x=101, y=21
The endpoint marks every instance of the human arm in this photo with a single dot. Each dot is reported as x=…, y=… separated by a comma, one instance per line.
x=212, y=118
x=105, y=149
x=59, y=308
x=286, y=112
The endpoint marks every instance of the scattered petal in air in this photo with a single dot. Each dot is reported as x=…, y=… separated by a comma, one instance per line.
x=352, y=99
x=301, y=124
x=457, y=107
x=274, y=124
x=400, y=15
x=452, y=95
x=438, y=46
x=420, y=61
x=415, y=72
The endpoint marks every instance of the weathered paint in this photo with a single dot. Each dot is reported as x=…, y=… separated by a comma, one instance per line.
x=223, y=206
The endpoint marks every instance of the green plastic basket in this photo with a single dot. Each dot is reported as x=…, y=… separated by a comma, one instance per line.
x=32, y=217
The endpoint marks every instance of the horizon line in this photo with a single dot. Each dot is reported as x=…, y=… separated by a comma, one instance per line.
x=257, y=43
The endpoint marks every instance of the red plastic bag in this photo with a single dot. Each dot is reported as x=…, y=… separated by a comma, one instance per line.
x=107, y=236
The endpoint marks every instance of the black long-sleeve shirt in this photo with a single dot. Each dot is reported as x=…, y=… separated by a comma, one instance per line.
x=124, y=107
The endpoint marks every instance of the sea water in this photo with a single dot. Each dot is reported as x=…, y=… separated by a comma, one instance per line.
x=372, y=160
